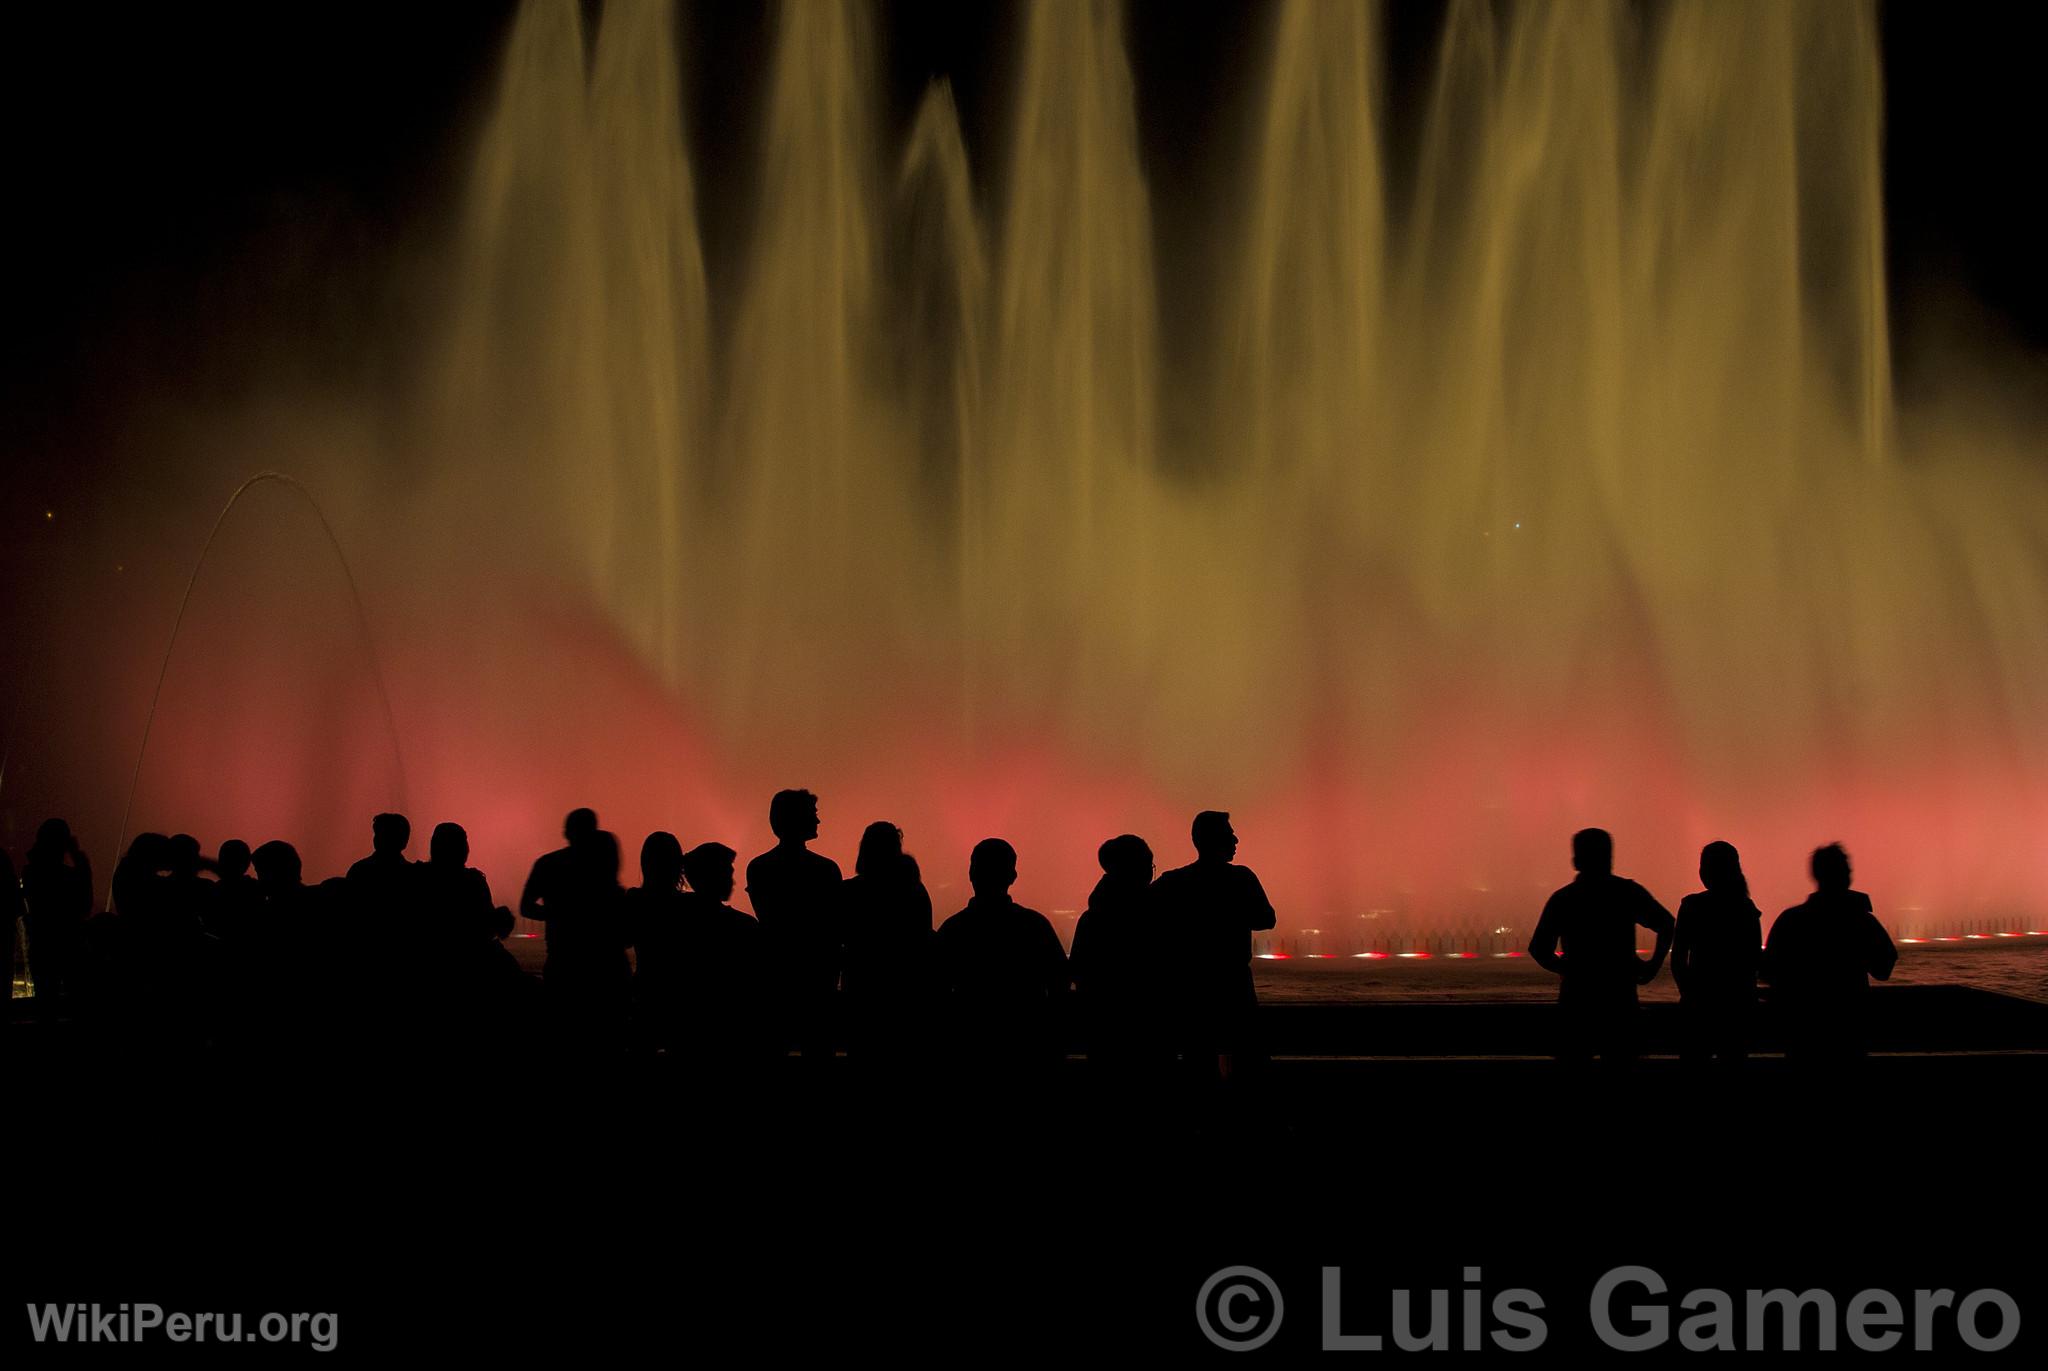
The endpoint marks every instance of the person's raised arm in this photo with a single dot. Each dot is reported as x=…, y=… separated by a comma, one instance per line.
x=1543, y=942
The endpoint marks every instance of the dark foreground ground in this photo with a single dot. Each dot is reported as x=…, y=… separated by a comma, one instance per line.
x=531, y=1207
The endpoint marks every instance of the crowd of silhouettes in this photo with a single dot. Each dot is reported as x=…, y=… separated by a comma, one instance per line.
x=196, y=949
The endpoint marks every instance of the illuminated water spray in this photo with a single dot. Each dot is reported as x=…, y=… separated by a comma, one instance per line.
x=1562, y=485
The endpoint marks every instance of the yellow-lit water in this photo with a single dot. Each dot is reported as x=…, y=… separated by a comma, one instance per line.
x=1562, y=484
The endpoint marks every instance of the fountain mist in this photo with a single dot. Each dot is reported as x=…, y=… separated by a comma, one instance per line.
x=1559, y=483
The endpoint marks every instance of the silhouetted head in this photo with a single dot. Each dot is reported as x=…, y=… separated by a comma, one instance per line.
x=1127, y=857
x=389, y=833
x=992, y=868
x=881, y=850
x=1592, y=852
x=232, y=860
x=448, y=845
x=1830, y=867
x=580, y=826
x=661, y=862
x=708, y=869
x=53, y=842
x=148, y=852
x=793, y=816
x=276, y=863
x=1215, y=839
x=1721, y=870
x=185, y=856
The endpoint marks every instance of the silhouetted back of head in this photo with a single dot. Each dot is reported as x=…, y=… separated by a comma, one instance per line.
x=390, y=833
x=708, y=869
x=448, y=845
x=1830, y=867
x=53, y=842
x=580, y=826
x=1215, y=840
x=1126, y=857
x=1592, y=852
x=793, y=816
x=881, y=850
x=233, y=859
x=1721, y=870
x=992, y=867
x=661, y=862
x=276, y=862
x=184, y=854
x=149, y=852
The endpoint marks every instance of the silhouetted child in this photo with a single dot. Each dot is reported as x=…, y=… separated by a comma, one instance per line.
x=795, y=894
x=56, y=887
x=1208, y=911
x=1714, y=958
x=1819, y=961
x=1112, y=942
x=887, y=926
x=574, y=890
x=1587, y=936
x=1001, y=969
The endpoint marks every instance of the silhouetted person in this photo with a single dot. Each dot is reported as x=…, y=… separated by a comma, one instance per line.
x=1587, y=936
x=191, y=894
x=574, y=890
x=56, y=887
x=887, y=925
x=1001, y=968
x=1714, y=958
x=456, y=906
x=1819, y=961
x=384, y=886
x=1208, y=911
x=278, y=874
x=236, y=900
x=1113, y=941
x=654, y=919
x=473, y=984
x=795, y=894
x=132, y=945
x=381, y=892
x=296, y=980
x=721, y=982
